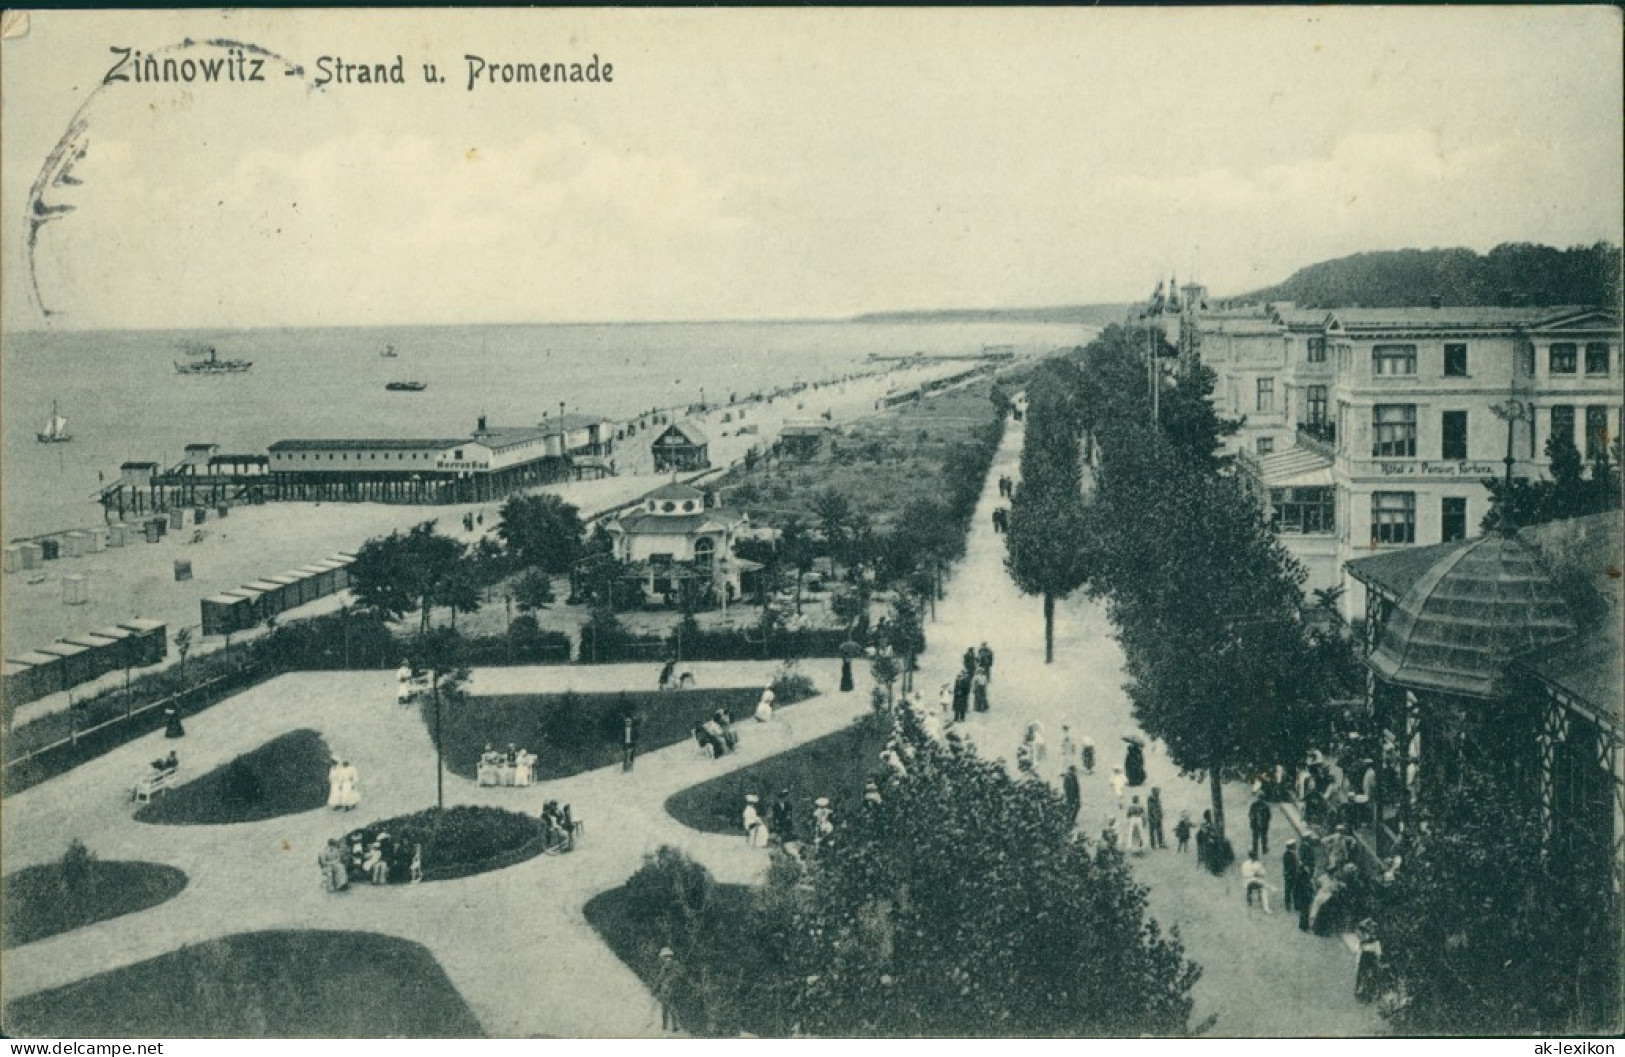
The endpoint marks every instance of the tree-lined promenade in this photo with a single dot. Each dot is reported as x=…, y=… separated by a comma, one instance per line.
x=1223, y=665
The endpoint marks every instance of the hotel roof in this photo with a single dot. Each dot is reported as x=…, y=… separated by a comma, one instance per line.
x=1447, y=316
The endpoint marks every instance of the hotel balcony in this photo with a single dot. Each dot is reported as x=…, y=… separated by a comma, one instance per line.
x=1319, y=437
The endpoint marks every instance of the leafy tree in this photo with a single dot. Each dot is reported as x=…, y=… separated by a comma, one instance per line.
x=885, y=670
x=912, y=922
x=1206, y=601
x=850, y=604
x=542, y=531
x=1219, y=663
x=533, y=591
x=603, y=636
x=420, y=569
x=1487, y=936
x=1569, y=493
x=834, y=514
x=795, y=548
x=1045, y=557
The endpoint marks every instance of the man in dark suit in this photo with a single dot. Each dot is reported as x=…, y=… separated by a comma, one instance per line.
x=1074, y=793
x=1258, y=820
x=1289, y=874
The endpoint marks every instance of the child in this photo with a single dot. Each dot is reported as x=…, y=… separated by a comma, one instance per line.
x=417, y=864
x=1182, y=831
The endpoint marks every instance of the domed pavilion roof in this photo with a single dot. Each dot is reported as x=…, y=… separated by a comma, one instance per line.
x=1467, y=617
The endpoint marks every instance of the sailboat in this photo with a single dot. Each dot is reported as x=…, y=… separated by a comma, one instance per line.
x=388, y=353
x=55, y=431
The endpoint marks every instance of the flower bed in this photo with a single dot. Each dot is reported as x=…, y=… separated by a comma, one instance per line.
x=456, y=842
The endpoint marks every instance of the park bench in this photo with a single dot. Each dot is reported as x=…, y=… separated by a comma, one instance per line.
x=156, y=782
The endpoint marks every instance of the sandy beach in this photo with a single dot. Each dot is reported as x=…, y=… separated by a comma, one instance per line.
x=138, y=580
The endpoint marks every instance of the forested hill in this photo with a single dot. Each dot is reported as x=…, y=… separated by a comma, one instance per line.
x=1515, y=273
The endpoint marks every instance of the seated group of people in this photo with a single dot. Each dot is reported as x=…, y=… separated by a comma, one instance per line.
x=559, y=827
x=163, y=767
x=380, y=859
x=514, y=767
x=716, y=735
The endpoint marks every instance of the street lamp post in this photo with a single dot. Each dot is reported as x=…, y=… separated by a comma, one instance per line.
x=1510, y=412
x=439, y=744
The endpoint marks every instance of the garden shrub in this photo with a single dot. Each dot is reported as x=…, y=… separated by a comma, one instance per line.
x=78, y=890
x=791, y=685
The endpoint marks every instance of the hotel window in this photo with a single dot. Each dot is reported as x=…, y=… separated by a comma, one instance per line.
x=1393, y=518
x=1563, y=357
x=1306, y=511
x=1596, y=357
x=1563, y=422
x=1393, y=431
x=1266, y=445
x=1455, y=361
x=1452, y=519
x=1393, y=359
x=1266, y=394
x=1453, y=433
x=1596, y=430
x=1316, y=401
x=1317, y=350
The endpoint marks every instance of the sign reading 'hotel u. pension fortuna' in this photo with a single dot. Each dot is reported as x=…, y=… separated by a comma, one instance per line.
x=1424, y=468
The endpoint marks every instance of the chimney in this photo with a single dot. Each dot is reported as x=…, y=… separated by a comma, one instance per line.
x=1435, y=301
x=481, y=428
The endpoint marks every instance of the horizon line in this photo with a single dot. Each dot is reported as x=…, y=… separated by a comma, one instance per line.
x=752, y=320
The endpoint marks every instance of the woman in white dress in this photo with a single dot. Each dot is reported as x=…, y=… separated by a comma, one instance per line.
x=756, y=833
x=349, y=786
x=764, y=707
x=333, y=776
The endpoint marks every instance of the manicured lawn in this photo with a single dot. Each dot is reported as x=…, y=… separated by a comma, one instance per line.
x=40, y=901
x=732, y=959
x=282, y=984
x=571, y=733
x=284, y=776
x=835, y=766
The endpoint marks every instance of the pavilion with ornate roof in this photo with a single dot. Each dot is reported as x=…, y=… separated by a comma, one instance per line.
x=1505, y=649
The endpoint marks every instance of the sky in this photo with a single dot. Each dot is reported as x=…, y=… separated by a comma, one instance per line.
x=782, y=164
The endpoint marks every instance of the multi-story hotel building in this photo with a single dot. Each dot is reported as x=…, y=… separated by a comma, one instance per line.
x=1370, y=429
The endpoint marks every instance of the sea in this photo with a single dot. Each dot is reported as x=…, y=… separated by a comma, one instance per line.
x=124, y=400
